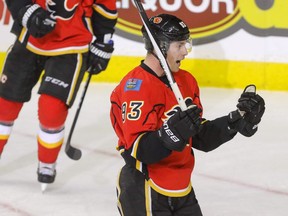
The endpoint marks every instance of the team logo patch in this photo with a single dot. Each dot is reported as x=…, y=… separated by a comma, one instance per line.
x=157, y=20
x=133, y=85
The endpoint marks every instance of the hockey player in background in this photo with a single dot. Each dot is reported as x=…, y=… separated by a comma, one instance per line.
x=63, y=39
x=156, y=138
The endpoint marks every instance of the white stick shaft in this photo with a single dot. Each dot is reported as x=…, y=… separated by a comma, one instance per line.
x=166, y=69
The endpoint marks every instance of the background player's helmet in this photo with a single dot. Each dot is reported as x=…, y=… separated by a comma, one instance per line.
x=167, y=28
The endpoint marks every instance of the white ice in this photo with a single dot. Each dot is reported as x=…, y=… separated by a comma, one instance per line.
x=246, y=176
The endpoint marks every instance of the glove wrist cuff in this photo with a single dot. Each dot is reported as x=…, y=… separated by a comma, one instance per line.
x=28, y=13
x=100, y=53
x=233, y=118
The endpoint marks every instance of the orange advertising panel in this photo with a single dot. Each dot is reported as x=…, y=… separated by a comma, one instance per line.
x=211, y=20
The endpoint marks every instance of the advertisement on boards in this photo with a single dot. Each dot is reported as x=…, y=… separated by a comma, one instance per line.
x=221, y=29
x=228, y=36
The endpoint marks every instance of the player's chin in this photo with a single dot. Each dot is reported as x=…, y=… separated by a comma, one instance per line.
x=175, y=70
x=176, y=67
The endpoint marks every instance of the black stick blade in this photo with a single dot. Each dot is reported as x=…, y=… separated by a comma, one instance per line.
x=72, y=152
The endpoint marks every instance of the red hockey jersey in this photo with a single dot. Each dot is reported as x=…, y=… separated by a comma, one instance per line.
x=141, y=103
x=74, y=25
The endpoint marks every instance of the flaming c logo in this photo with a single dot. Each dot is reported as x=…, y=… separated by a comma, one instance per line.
x=209, y=20
x=157, y=20
x=62, y=9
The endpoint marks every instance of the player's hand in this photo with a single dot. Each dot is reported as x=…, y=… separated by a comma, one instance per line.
x=37, y=20
x=99, y=56
x=176, y=131
x=251, y=108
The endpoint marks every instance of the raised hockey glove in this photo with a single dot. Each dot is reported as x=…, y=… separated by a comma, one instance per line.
x=246, y=118
x=176, y=131
x=37, y=20
x=99, y=56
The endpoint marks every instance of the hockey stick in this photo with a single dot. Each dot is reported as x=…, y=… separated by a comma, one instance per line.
x=71, y=151
x=160, y=55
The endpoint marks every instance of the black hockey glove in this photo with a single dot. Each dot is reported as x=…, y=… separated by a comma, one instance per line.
x=176, y=131
x=251, y=107
x=99, y=56
x=37, y=20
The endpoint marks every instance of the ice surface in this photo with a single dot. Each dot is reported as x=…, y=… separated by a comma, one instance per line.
x=247, y=176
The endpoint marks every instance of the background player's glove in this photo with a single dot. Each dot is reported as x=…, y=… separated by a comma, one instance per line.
x=176, y=131
x=37, y=20
x=251, y=107
x=99, y=56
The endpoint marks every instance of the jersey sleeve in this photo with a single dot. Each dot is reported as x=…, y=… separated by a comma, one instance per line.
x=213, y=134
x=15, y=5
x=103, y=19
x=135, y=117
x=134, y=110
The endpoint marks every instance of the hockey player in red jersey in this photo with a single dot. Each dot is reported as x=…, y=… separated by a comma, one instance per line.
x=63, y=39
x=156, y=138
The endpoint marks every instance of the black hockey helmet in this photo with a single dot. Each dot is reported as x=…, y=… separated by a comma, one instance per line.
x=167, y=28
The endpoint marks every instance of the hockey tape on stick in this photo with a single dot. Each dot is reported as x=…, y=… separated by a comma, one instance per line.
x=160, y=55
